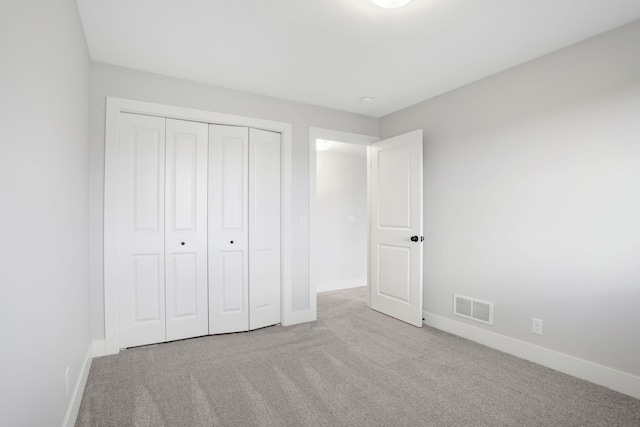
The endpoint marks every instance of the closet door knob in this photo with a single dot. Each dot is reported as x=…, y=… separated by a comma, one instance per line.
x=414, y=238
x=182, y=243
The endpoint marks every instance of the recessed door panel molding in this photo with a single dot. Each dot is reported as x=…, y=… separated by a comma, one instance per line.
x=233, y=152
x=394, y=169
x=140, y=225
x=185, y=282
x=265, y=180
x=147, y=288
x=147, y=164
x=184, y=170
x=394, y=273
x=186, y=229
x=228, y=229
x=233, y=269
x=396, y=227
x=265, y=272
x=266, y=276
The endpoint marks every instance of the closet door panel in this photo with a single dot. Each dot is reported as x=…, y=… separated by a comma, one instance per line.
x=232, y=271
x=185, y=285
x=141, y=158
x=147, y=288
x=228, y=229
x=266, y=274
x=186, y=229
x=264, y=228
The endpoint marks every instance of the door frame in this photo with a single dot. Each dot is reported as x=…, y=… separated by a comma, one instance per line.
x=115, y=106
x=338, y=136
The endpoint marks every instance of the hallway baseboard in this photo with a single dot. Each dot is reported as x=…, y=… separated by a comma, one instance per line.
x=78, y=390
x=338, y=285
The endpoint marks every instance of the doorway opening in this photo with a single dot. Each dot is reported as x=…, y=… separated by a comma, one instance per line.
x=338, y=212
x=341, y=216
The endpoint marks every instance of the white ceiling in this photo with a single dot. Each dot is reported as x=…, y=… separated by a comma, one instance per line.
x=332, y=52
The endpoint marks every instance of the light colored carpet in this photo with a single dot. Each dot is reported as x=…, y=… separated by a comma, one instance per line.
x=353, y=367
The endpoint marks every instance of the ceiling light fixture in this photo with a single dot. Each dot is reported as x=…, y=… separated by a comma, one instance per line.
x=366, y=99
x=391, y=4
x=323, y=145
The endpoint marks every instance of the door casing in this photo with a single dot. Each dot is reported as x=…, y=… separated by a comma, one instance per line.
x=330, y=135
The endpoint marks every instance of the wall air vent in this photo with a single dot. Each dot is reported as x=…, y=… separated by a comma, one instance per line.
x=472, y=308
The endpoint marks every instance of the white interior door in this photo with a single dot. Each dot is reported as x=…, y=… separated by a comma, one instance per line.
x=141, y=286
x=396, y=227
x=228, y=229
x=186, y=229
x=264, y=228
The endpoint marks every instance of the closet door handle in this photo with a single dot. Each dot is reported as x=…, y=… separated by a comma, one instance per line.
x=182, y=243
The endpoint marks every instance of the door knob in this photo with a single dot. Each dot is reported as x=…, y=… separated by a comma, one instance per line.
x=182, y=243
x=414, y=238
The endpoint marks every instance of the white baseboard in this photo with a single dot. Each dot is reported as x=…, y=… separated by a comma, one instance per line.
x=611, y=378
x=337, y=285
x=99, y=348
x=78, y=391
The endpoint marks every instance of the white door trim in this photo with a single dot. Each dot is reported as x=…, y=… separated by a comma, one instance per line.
x=114, y=107
x=331, y=135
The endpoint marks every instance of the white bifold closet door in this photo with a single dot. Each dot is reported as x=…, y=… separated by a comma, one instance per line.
x=186, y=230
x=162, y=221
x=244, y=229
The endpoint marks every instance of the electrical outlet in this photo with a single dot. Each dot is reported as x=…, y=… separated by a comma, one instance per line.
x=66, y=381
x=536, y=326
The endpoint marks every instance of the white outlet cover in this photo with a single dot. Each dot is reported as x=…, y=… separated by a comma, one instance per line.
x=536, y=326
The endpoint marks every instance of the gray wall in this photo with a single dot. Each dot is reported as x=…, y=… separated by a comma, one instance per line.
x=44, y=242
x=108, y=80
x=532, y=198
x=341, y=191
